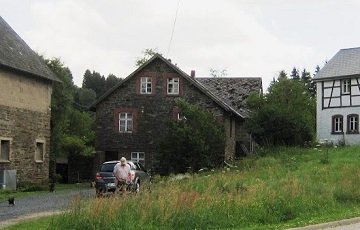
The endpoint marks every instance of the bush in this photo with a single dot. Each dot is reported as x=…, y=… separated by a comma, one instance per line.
x=193, y=143
x=31, y=187
x=286, y=115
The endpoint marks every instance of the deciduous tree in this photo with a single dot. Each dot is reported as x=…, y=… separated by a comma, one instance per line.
x=195, y=142
x=286, y=115
x=146, y=55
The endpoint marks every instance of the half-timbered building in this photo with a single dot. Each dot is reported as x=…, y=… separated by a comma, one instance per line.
x=338, y=98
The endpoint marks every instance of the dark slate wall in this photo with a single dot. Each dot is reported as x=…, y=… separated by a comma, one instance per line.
x=153, y=122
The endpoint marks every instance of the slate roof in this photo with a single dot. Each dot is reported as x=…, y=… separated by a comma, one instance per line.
x=346, y=62
x=233, y=91
x=15, y=54
x=240, y=86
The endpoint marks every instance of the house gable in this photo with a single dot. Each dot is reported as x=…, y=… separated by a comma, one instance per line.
x=338, y=98
x=147, y=98
x=154, y=66
x=25, y=102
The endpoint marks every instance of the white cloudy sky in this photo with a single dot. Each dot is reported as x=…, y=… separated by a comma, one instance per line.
x=248, y=38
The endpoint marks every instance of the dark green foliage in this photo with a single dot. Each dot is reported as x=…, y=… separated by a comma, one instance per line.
x=86, y=96
x=111, y=81
x=95, y=82
x=286, y=115
x=80, y=134
x=72, y=128
x=193, y=143
x=98, y=83
x=61, y=104
x=295, y=74
x=29, y=187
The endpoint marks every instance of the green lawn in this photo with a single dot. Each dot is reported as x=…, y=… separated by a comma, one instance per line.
x=282, y=188
x=36, y=189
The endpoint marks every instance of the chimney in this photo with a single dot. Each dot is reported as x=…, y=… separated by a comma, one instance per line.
x=192, y=73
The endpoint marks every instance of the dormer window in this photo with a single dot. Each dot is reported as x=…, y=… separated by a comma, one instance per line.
x=345, y=86
x=146, y=85
x=173, y=85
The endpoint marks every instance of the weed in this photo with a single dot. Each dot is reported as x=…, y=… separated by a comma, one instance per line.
x=278, y=190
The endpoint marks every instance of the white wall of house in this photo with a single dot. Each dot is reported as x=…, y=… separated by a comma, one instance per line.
x=331, y=101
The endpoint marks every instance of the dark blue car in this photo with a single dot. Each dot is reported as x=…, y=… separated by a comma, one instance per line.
x=105, y=180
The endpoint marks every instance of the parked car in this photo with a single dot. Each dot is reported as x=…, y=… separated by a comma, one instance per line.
x=105, y=180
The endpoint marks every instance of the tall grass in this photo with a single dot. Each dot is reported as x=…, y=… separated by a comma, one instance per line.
x=285, y=188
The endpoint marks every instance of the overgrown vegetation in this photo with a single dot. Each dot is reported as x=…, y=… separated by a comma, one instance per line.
x=286, y=114
x=194, y=142
x=285, y=187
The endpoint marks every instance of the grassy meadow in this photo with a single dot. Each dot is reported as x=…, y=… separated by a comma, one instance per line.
x=283, y=188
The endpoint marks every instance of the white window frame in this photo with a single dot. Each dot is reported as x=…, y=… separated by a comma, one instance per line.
x=39, y=151
x=5, y=157
x=146, y=85
x=126, y=122
x=353, y=123
x=346, y=86
x=138, y=157
x=338, y=123
x=173, y=85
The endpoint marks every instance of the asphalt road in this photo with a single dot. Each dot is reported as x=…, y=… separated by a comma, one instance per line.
x=43, y=203
x=347, y=224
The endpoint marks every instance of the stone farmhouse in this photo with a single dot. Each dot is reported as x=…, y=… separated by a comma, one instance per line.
x=133, y=115
x=338, y=98
x=25, y=100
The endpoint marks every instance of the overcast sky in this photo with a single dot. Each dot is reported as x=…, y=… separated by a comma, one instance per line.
x=248, y=38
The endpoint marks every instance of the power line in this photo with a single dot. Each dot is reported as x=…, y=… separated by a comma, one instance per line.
x=172, y=33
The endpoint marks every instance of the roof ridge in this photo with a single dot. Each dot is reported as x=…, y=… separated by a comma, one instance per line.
x=350, y=48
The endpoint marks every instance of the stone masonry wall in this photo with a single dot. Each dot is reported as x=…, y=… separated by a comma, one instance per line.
x=153, y=112
x=25, y=120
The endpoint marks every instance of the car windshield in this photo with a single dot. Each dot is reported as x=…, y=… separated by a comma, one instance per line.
x=107, y=167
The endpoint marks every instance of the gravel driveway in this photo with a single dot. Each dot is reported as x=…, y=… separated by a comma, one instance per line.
x=39, y=205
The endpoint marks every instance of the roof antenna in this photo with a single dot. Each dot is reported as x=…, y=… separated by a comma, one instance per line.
x=172, y=33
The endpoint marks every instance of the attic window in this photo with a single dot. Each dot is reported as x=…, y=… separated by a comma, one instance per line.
x=146, y=85
x=173, y=85
x=346, y=86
